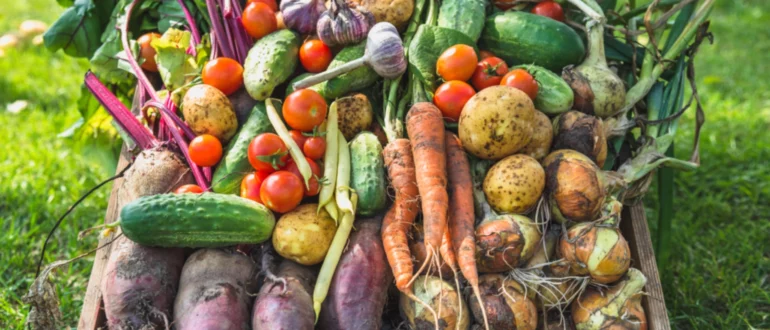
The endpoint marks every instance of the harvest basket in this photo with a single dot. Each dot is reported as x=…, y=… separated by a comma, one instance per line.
x=633, y=226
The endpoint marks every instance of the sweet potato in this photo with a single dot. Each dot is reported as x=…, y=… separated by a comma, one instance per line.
x=359, y=287
x=215, y=291
x=286, y=308
x=140, y=284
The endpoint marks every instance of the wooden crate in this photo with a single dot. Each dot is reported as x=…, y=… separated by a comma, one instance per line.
x=633, y=226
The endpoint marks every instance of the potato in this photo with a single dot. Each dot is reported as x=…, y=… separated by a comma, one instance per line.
x=497, y=122
x=354, y=115
x=208, y=111
x=304, y=235
x=542, y=136
x=396, y=12
x=514, y=184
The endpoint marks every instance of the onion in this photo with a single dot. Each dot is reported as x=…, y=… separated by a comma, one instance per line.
x=442, y=298
x=505, y=242
x=505, y=303
x=598, y=250
x=582, y=133
x=613, y=308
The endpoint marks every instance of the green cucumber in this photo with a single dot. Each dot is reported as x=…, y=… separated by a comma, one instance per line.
x=367, y=173
x=196, y=220
x=525, y=38
x=235, y=164
x=270, y=62
x=466, y=16
x=352, y=81
x=554, y=96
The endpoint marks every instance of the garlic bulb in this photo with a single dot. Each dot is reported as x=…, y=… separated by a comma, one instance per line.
x=302, y=15
x=343, y=25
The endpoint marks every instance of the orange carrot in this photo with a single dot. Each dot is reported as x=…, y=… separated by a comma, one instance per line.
x=425, y=126
x=461, y=215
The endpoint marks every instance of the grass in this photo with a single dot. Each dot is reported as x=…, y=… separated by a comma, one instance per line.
x=716, y=278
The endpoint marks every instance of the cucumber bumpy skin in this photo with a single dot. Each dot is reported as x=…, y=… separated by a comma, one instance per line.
x=270, y=62
x=196, y=220
x=367, y=174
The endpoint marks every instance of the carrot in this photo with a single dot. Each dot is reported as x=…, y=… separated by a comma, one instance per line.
x=461, y=214
x=425, y=126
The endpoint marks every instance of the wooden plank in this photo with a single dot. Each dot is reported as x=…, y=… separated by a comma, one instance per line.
x=92, y=314
x=636, y=232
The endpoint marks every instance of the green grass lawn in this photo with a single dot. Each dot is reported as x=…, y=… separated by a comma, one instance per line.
x=717, y=277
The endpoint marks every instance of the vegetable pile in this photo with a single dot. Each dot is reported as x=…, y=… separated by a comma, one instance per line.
x=474, y=156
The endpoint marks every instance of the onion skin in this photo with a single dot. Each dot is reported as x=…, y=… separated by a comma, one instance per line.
x=575, y=186
x=607, y=308
x=582, y=133
x=505, y=242
x=542, y=137
x=595, y=250
x=443, y=298
x=505, y=304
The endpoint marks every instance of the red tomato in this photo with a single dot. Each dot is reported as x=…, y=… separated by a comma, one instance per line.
x=205, y=150
x=489, y=72
x=281, y=191
x=189, y=189
x=304, y=109
x=313, y=182
x=267, y=153
x=521, y=79
x=298, y=137
x=226, y=74
x=451, y=97
x=250, y=185
x=314, y=148
x=549, y=9
x=147, y=52
x=259, y=20
x=485, y=53
x=457, y=63
x=315, y=56
x=269, y=3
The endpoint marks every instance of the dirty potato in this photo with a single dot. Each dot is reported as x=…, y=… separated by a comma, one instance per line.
x=542, y=136
x=514, y=184
x=304, y=235
x=208, y=111
x=354, y=115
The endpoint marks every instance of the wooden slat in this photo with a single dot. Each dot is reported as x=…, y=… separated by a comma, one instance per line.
x=92, y=314
x=636, y=232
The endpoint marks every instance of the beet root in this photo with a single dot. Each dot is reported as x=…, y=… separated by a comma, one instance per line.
x=140, y=285
x=154, y=171
x=286, y=308
x=359, y=287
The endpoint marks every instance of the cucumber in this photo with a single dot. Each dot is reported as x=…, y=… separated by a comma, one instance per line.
x=466, y=16
x=270, y=62
x=235, y=164
x=524, y=38
x=367, y=173
x=196, y=220
x=352, y=81
x=554, y=96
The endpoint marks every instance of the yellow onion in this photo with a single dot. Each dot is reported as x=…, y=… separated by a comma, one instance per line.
x=596, y=250
x=505, y=242
x=609, y=308
x=442, y=297
x=582, y=133
x=542, y=136
x=505, y=303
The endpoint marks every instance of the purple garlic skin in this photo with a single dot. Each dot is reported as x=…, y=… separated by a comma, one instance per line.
x=385, y=51
x=342, y=25
x=302, y=15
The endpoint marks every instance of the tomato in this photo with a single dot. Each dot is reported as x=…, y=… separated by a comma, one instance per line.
x=205, y=150
x=304, y=109
x=226, y=74
x=549, y=9
x=250, y=185
x=485, y=53
x=314, y=148
x=298, y=137
x=267, y=152
x=489, y=72
x=259, y=20
x=269, y=3
x=147, y=52
x=457, y=63
x=315, y=56
x=189, y=189
x=313, y=182
x=521, y=79
x=451, y=97
x=281, y=191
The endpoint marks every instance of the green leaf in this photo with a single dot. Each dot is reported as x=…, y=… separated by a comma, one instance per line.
x=77, y=31
x=171, y=15
x=106, y=62
x=428, y=44
x=176, y=67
